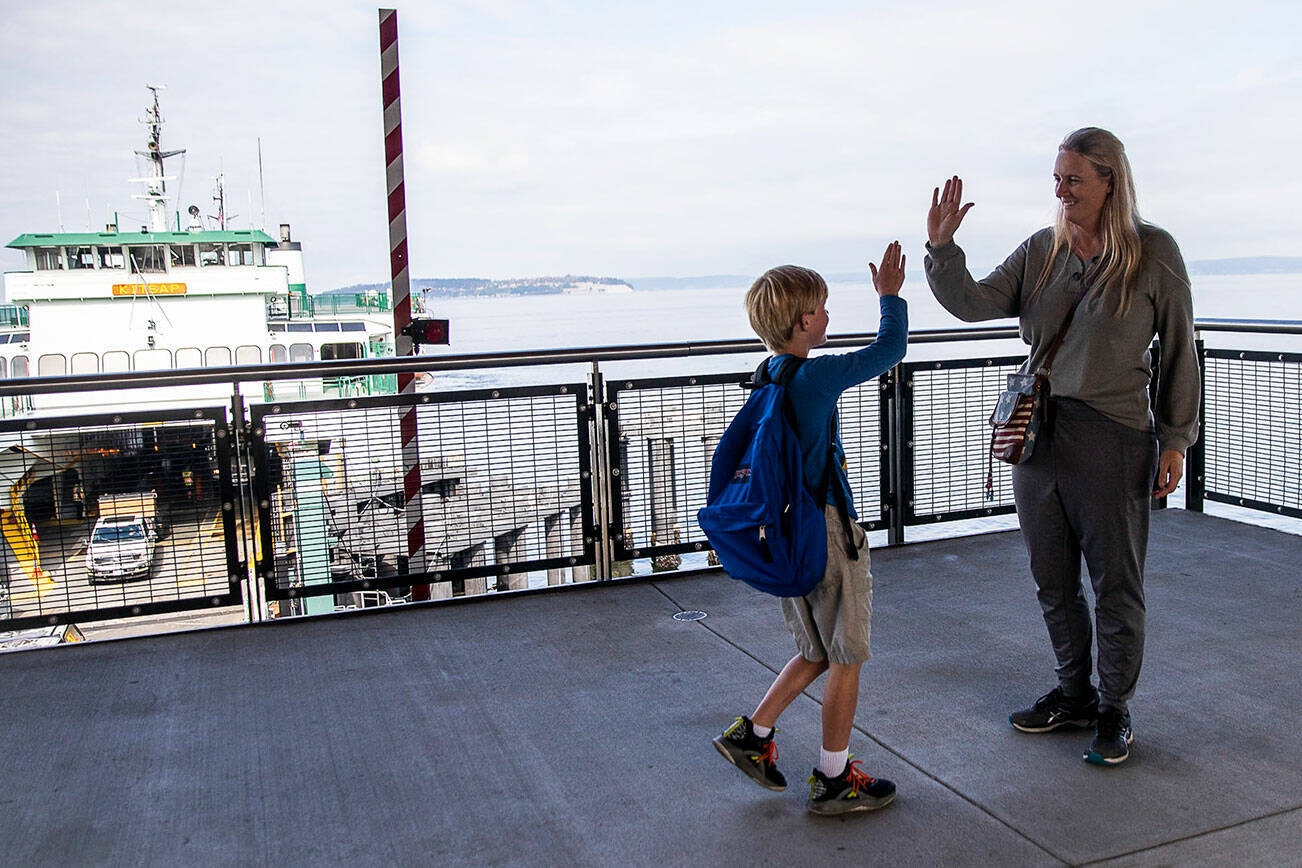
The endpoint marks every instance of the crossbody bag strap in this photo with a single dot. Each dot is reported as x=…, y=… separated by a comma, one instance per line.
x=1047, y=364
x=1045, y=367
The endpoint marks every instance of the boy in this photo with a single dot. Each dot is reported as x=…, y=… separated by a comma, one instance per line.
x=787, y=309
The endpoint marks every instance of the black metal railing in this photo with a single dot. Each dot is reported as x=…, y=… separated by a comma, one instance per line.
x=1252, y=430
x=116, y=515
x=308, y=506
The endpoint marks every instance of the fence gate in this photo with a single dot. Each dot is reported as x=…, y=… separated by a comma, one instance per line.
x=117, y=515
x=504, y=478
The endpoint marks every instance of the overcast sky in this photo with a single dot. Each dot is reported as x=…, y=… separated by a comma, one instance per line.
x=668, y=138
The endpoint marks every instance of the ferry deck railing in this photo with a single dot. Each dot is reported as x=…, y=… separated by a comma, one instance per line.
x=301, y=305
x=288, y=507
x=13, y=316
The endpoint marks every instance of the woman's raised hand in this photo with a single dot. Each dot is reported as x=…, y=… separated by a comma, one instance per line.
x=946, y=212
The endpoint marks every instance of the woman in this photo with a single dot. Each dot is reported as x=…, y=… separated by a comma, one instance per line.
x=1101, y=453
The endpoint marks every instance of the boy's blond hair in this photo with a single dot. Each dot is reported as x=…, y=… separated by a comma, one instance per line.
x=778, y=299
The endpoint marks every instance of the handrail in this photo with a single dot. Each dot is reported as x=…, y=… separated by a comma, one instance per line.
x=1258, y=326
x=515, y=358
x=409, y=364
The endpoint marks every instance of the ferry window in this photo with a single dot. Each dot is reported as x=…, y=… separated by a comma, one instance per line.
x=48, y=259
x=341, y=351
x=116, y=360
x=300, y=352
x=189, y=357
x=148, y=259
x=182, y=255
x=240, y=254
x=18, y=365
x=217, y=357
x=212, y=254
x=81, y=257
x=52, y=365
x=85, y=363
x=277, y=354
x=110, y=257
x=152, y=360
x=248, y=355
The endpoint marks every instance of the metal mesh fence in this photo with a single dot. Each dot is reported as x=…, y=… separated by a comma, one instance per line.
x=503, y=492
x=1252, y=431
x=138, y=513
x=947, y=437
x=665, y=432
x=113, y=516
x=664, y=435
x=864, y=443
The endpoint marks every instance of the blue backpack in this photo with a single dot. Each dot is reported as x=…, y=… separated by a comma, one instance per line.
x=766, y=527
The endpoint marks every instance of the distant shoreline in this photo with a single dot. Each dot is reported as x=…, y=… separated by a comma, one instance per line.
x=451, y=287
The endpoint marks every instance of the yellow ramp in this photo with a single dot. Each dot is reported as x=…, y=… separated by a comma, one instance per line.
x=21, y=537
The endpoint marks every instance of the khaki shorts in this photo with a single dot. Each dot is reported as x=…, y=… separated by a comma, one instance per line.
x=832, y=622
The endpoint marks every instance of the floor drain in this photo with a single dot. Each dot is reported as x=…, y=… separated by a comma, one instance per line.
x=690, y=615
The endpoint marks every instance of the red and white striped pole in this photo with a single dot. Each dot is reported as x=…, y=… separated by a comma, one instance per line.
x=403, y=345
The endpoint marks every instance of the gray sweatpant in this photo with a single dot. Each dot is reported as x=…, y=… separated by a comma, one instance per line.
x=1085, y=490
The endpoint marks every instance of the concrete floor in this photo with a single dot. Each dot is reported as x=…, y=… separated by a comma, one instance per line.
x=573, y=727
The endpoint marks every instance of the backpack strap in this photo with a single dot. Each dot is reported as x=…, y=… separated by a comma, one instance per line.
x=829, y=485
x=786, y=373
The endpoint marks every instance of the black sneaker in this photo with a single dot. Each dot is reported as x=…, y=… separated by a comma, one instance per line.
x=1112, y=740
x=852, y=791
x=755, y=756
x=1055, y=709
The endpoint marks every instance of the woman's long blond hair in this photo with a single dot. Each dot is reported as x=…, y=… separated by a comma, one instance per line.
x=1118, y=268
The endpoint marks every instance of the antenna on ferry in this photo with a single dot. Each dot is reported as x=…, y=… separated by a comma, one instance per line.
x=219, y=197
x=262, y=191
x=156, y=183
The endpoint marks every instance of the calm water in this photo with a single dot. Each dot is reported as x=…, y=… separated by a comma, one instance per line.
x=670, y=316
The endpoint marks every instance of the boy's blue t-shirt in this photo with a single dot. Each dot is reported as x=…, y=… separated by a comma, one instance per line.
x=820, y=381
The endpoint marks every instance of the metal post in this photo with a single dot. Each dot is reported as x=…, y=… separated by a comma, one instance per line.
x=1155, y=352
x=1195, y=471
x=255, y=607
x=893, y=501
x=403, y=345
x=601, y=469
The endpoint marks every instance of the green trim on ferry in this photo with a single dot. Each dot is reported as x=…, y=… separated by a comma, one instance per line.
x=115, y=239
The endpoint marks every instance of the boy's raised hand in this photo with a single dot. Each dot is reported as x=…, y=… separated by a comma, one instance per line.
x=889, y=279
x=947, y=212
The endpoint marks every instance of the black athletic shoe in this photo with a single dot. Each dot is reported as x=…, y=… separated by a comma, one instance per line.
x=1055, y=709
x=755, y=756
x=852, y=791
x=1112, y=740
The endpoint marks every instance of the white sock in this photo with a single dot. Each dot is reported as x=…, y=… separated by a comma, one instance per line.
x=761, y=731
x=832, y=762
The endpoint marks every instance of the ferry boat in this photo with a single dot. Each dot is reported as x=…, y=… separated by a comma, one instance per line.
x=173, y=296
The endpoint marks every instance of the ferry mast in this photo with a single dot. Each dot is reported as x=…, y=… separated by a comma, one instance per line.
x=156, y=184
